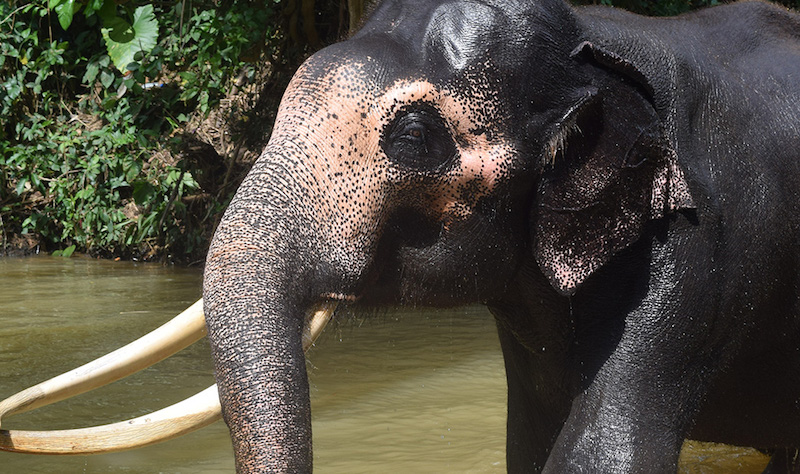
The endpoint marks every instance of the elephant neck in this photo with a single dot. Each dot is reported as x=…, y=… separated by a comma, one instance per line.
x=533, y=311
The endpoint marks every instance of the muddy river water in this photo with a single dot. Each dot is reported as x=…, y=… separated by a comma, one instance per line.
x=420, y=392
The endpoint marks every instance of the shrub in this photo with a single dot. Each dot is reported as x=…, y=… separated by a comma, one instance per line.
x=94, y=102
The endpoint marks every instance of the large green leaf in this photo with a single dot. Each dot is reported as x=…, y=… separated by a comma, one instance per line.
x=124, y=40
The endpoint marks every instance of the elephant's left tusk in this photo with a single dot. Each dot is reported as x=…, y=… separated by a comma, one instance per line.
x=316, y=320
x=183, y=417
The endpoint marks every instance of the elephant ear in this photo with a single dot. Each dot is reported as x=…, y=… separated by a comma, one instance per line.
x=609, y=168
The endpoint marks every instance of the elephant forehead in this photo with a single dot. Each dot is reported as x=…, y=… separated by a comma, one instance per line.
x=323, y=107
x=346, y=107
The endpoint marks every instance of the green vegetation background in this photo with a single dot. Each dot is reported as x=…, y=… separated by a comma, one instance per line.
x=141, y=165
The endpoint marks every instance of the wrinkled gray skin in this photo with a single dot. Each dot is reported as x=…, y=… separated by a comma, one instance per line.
x=620, y=191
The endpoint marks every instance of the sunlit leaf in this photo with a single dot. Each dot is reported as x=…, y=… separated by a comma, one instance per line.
x=92, y=69
x=66, y=253
x=20, y=188
x=107, y=79
x=124, y=41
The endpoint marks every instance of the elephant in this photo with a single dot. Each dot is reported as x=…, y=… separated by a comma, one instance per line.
x=621, y=192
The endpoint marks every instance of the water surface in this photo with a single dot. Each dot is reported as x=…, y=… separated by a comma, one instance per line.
x=416, y=392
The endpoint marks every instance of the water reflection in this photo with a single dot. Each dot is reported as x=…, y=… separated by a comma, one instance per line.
x=406, y=392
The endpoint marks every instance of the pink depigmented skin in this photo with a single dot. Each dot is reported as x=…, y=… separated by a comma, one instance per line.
x=337, y=121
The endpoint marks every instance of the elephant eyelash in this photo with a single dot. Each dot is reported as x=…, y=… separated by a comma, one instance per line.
x=558, y=142
x=567, y=125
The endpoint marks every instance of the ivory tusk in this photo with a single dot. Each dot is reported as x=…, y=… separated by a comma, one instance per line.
x=317, y=318
x=178, y=333
x=184, y=417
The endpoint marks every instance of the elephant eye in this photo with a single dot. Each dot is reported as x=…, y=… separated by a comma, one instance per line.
x=418, y=138
x=413, y=134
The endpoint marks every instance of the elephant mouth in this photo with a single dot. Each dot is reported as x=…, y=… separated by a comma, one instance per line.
x=183, y=417
x=340, y=297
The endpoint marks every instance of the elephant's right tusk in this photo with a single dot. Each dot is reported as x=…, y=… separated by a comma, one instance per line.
x=180, y=332
x=189, y=415
x=183, y=417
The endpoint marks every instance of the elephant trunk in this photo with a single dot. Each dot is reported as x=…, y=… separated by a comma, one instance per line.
x=262, y=382
x=259, y=283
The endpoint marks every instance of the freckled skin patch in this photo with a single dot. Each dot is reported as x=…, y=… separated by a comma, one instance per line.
x=483, y=152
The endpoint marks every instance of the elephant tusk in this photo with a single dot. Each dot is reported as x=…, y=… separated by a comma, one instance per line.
x=316, y=320
x=180, y=332
x=183, y=417
x=195, y=412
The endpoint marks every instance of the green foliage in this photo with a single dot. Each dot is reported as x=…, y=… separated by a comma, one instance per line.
x=66, y=253
x=123, y=39
x=88, y=155
x=215, y=40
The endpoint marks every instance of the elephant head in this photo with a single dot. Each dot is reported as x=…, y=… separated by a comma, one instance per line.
x=423, y=161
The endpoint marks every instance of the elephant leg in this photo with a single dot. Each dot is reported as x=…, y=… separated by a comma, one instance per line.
x=636, y=409
x=537, y=404
x=625, y=423
x=784, y=461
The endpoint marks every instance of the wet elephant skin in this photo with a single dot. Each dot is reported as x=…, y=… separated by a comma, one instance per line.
x=620, y=191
